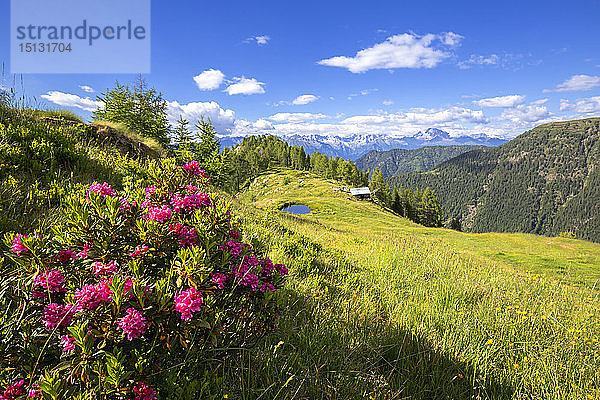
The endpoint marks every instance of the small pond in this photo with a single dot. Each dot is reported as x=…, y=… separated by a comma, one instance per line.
x=297, y=209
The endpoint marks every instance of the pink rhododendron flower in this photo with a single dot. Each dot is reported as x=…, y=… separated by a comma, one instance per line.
x=187, y=236
x=162, y=214
x=57, y=315
x=64, y=256
x=150, y=190
x=234, y=234
x=267, y=268
x=103, y=189
x=143, y=392
x=104, y=269
x=89, y=297
x=17, y=246
x=14, y=390
x=34, y=391
x=51, y=281
x=187, y=302
x=267, y=286
x=250, y=280
x=190, y=203
x=281, y=269
x=219, y=279
x=191, y=189
x=193, y=167
x=139, y=250
x=234, y=248
x=85, y=251
x=126, y=205
x=68, y=343
x=133, y=324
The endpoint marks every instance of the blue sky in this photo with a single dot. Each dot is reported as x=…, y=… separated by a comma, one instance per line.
x=345, y=68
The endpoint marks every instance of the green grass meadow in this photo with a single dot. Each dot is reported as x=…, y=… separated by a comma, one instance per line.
x=379, y=307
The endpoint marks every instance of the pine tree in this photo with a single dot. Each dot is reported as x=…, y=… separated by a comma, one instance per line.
x=379, y=188
x=141, y=109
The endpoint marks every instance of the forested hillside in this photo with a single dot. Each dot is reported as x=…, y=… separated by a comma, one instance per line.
x=399, y=161
x=545, y=181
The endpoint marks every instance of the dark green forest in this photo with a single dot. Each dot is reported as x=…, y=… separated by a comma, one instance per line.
x=546, y=181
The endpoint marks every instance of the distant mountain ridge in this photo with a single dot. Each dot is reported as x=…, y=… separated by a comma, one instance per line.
x=545, y=181
x=352, y=147
x=399, y=161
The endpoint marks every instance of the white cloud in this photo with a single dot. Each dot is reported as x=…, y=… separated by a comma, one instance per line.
x=363, y=92
x=295, y=118
x=577, y=83
x=245, y=86
x=387, y=102
x=525, y=114
x=86, y=88
x=492, y=59
x=72, y=100
x=424, y=117
x=223, y=120
x=305, y=99
x=261, y=40
x=584, y=106
x=210, y=79
x=501, y=101
x=399, y=51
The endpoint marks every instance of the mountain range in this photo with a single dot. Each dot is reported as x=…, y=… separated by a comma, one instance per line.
x=399, y=161
x=545, y=181
x=352, y=147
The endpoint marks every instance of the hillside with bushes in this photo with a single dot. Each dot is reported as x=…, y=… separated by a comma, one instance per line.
x=133, y=270
x=545, y=181
x=400, y=161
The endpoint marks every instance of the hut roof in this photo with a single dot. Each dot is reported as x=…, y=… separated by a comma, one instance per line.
x=359, y=191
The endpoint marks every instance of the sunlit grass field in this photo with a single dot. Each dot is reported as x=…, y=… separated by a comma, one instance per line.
x=379, y=307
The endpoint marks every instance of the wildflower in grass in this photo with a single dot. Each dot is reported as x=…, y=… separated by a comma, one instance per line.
x=84, y=251
x=89, y=297
x=193, y=167
x=68, y=344
x=139, y=251
x=143, y=392
x=161, y=215
x=17, y=246
x=267, y=286
x=232, y=247
x=187, y=236
x=34, y=391
x=267, y=268
x=13, y=391
x=126, y=205
x=51, y=281
x=65, y=256
x=103, y=189
x=133, y=324
x=57, y=315
x=187, y=302
x=250, y=280
x=190, y=203
x=219, y=279
x=150, y=190
x=101, y=268
x=191, y=189
x=282, y=269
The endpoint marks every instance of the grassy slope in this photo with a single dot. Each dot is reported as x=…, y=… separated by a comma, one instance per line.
x=571, y=260
x=382, y=307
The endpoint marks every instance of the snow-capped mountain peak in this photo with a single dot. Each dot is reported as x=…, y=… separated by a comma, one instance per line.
x=352, y=147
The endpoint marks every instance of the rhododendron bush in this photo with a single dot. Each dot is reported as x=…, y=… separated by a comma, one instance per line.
x=132, y=292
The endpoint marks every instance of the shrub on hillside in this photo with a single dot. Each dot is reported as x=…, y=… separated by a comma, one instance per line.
x=131, y=295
